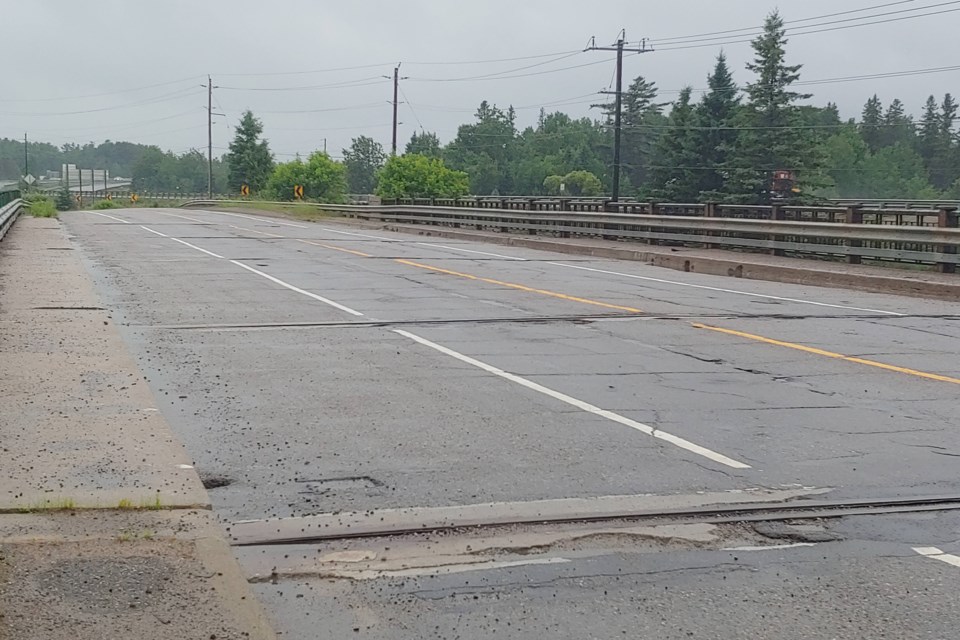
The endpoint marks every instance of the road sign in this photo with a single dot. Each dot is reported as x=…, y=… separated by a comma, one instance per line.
x=109, y=196
x=78, y=198
x=29, y=179
x=298, y=191
x=134, y=197
x=245, y=190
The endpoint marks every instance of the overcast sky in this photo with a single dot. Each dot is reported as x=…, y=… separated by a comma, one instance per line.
x=261, y=55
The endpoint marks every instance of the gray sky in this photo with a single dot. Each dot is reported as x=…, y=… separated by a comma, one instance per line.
x=75, y=49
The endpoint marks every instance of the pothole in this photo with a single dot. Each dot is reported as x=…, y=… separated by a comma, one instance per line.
x=212, y=481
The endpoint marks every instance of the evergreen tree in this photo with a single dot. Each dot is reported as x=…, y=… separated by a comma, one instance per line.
x=871, y=121
x=674, y=174
x=715, y=137
x=772, y=137
x=897, y=126
x=249, y=157
x=641, y=119
x=928, y=136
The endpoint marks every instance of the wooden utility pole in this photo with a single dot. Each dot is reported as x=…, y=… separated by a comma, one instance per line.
x=26, y=157
x=209, y=138
x=619, y=47
x=396, y=90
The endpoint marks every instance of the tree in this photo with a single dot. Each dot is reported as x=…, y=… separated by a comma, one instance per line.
x=362, y=160
x=322, y=179
x=674, y=176
x=641, y=119
x=715, y=138
x=249, y=157
x=844, y=155
x=772, y=137
x=417, y=176
x=575, y=183
x=871, y=121
x=928, y=136
x=424, y=144
x=897, y=126
x=897, y=172
x=484, y=150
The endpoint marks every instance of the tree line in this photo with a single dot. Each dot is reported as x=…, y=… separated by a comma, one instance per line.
x=722, y=146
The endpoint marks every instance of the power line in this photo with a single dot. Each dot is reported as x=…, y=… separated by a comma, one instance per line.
x=509, y=77
x=100, y=95
x=176, y=95
x=678, y=39
x=359, y=82
x=805, y=33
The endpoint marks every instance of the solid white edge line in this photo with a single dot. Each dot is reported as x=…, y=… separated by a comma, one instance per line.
x=360, y=235
x=937, y=554
x=257, y=218
x=162, y=235
x=482, y=253
x=327, y=301
x=193, y=246
x=721, y=290
x=580, y=404
x=111, y=217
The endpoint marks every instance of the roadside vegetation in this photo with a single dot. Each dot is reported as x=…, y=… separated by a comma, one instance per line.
x=40, y=206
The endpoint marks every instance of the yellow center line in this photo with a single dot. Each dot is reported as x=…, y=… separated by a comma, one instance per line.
x=831, y=354
x=520, y=287
x=330, y=246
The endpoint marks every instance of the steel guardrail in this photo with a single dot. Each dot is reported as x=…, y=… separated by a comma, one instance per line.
x=8, y=215
x=852, y=241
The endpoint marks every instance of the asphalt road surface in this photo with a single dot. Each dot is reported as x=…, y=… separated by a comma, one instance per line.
x=322, y=368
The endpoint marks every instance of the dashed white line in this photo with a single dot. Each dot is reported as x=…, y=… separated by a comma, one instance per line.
x=580, y=404
x=111, y=217
x=280, y=282
x=482, y=253
x=937, y=554
x=721, y=290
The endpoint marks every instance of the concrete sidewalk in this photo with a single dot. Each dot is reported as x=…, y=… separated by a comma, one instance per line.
x=105, y=527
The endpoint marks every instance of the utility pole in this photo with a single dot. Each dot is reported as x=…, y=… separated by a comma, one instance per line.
x=619, y=47
x=396, y=90
x=26, y=157
x=210, y=87
x=395, y=103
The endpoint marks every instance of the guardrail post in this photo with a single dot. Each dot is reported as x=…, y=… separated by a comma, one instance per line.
x=710, y=211
x=947, y=219
x=776, y=213
x=854, y=216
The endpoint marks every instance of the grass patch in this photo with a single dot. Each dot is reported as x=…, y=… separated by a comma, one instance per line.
x=132, y=536
x=105, y=204
x=60, y=504
x=125, y=504
x=41, y=207
x=152, y=505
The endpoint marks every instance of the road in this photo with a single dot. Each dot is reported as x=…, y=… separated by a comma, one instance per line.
x=323, y=368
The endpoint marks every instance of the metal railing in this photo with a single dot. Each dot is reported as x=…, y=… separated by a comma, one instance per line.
x=854, y=234
x=9, y=211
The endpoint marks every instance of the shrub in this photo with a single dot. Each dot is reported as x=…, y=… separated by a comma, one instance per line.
x=64, y=201
x=41, y=207
x=105, y=204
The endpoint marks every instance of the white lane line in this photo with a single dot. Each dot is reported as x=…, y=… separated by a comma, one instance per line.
x=327, y=301
x=775, y=547
x=734, y=291
x=162, y=235
x=258, y=219
x=359, y=235
x=177, y=215
x=937, y=554
x=580, y=404
x=482, y=253
x=193, y=246
x=111, y=217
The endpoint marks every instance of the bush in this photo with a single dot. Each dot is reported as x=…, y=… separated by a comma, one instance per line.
x=416, y=176
x=105, y=204
x=322, y=179
x=41, y=207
